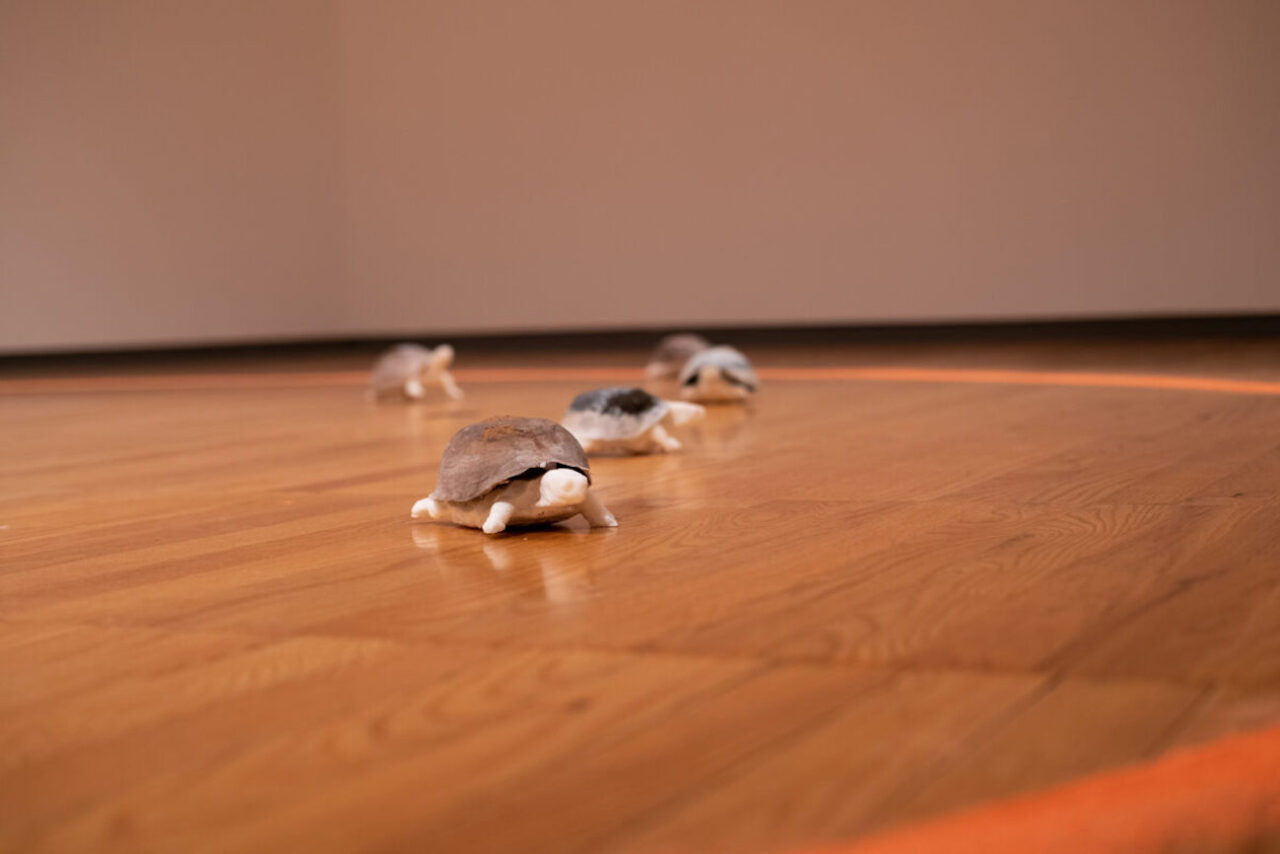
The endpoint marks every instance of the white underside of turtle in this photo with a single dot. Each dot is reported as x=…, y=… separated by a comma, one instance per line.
x=605, y=433
x=655, y=440
x=554, y=496
x=711, y=386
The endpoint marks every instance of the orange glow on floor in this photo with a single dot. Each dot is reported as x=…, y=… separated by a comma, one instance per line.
x=1080, y=379
x=1217, y=798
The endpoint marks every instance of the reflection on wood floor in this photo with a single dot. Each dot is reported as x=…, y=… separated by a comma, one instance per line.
x=855, y=603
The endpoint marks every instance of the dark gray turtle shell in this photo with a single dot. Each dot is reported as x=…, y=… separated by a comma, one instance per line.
x=675, y=350
x=615, y=413
x=482, y=456
x=731, y=362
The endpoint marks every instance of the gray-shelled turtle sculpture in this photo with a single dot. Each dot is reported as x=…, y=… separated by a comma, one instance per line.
x=510, y=471
x=672, y=352
x=627, y=420
x=406, y=371
x=718, y=374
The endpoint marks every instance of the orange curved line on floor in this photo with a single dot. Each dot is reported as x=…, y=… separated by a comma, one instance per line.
x=1221, y=797
x=288, y=379
x=1083, y=379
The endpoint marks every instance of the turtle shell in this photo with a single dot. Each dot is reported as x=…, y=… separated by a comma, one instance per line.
x=614, y=413
x=482, y=456
x=674, y=350
x=396, y=365
x=731, y=362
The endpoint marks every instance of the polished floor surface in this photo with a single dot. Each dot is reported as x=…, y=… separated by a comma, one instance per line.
x=866, y=599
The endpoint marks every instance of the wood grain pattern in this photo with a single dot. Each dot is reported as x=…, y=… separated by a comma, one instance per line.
x=853, y=604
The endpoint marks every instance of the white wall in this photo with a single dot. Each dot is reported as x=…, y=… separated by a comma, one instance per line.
x=168, y=172
x=389, y=166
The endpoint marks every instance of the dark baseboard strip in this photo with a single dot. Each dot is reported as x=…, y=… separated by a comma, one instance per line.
x=1145, y=328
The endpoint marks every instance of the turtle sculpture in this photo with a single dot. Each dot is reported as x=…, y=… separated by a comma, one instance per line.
x=627, y=420
x=510, y=471
x=718, y=374
x=672, y=352
x=407, y=370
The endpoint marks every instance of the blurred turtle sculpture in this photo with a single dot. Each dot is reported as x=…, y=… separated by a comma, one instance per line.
x=718, y=374
x=627, y=420
x=672, y=352
x=407, y=370
x=510, y=471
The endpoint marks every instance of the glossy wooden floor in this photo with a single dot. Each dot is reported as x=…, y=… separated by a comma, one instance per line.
x=860, y=603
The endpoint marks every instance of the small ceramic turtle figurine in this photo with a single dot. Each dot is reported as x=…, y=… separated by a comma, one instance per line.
x=672, y=352
x=718, y=374
x=406, y=370
x=513, y=471
x=627, y=420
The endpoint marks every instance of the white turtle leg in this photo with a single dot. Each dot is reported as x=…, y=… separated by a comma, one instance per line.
x=425, y=507
x=664, y=439
x=450, y=387
x=499, y=516
x=413, y=388
x=596, y=514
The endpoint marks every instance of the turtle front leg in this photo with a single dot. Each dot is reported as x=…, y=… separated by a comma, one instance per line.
x=450, y=387
x=596, y=514
x=664, y=439
x=499, y=516
x=413, y=388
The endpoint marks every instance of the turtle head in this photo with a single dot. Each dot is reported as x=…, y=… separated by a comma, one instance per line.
x=442, y=356
x=685, y=413
x=562, y=487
